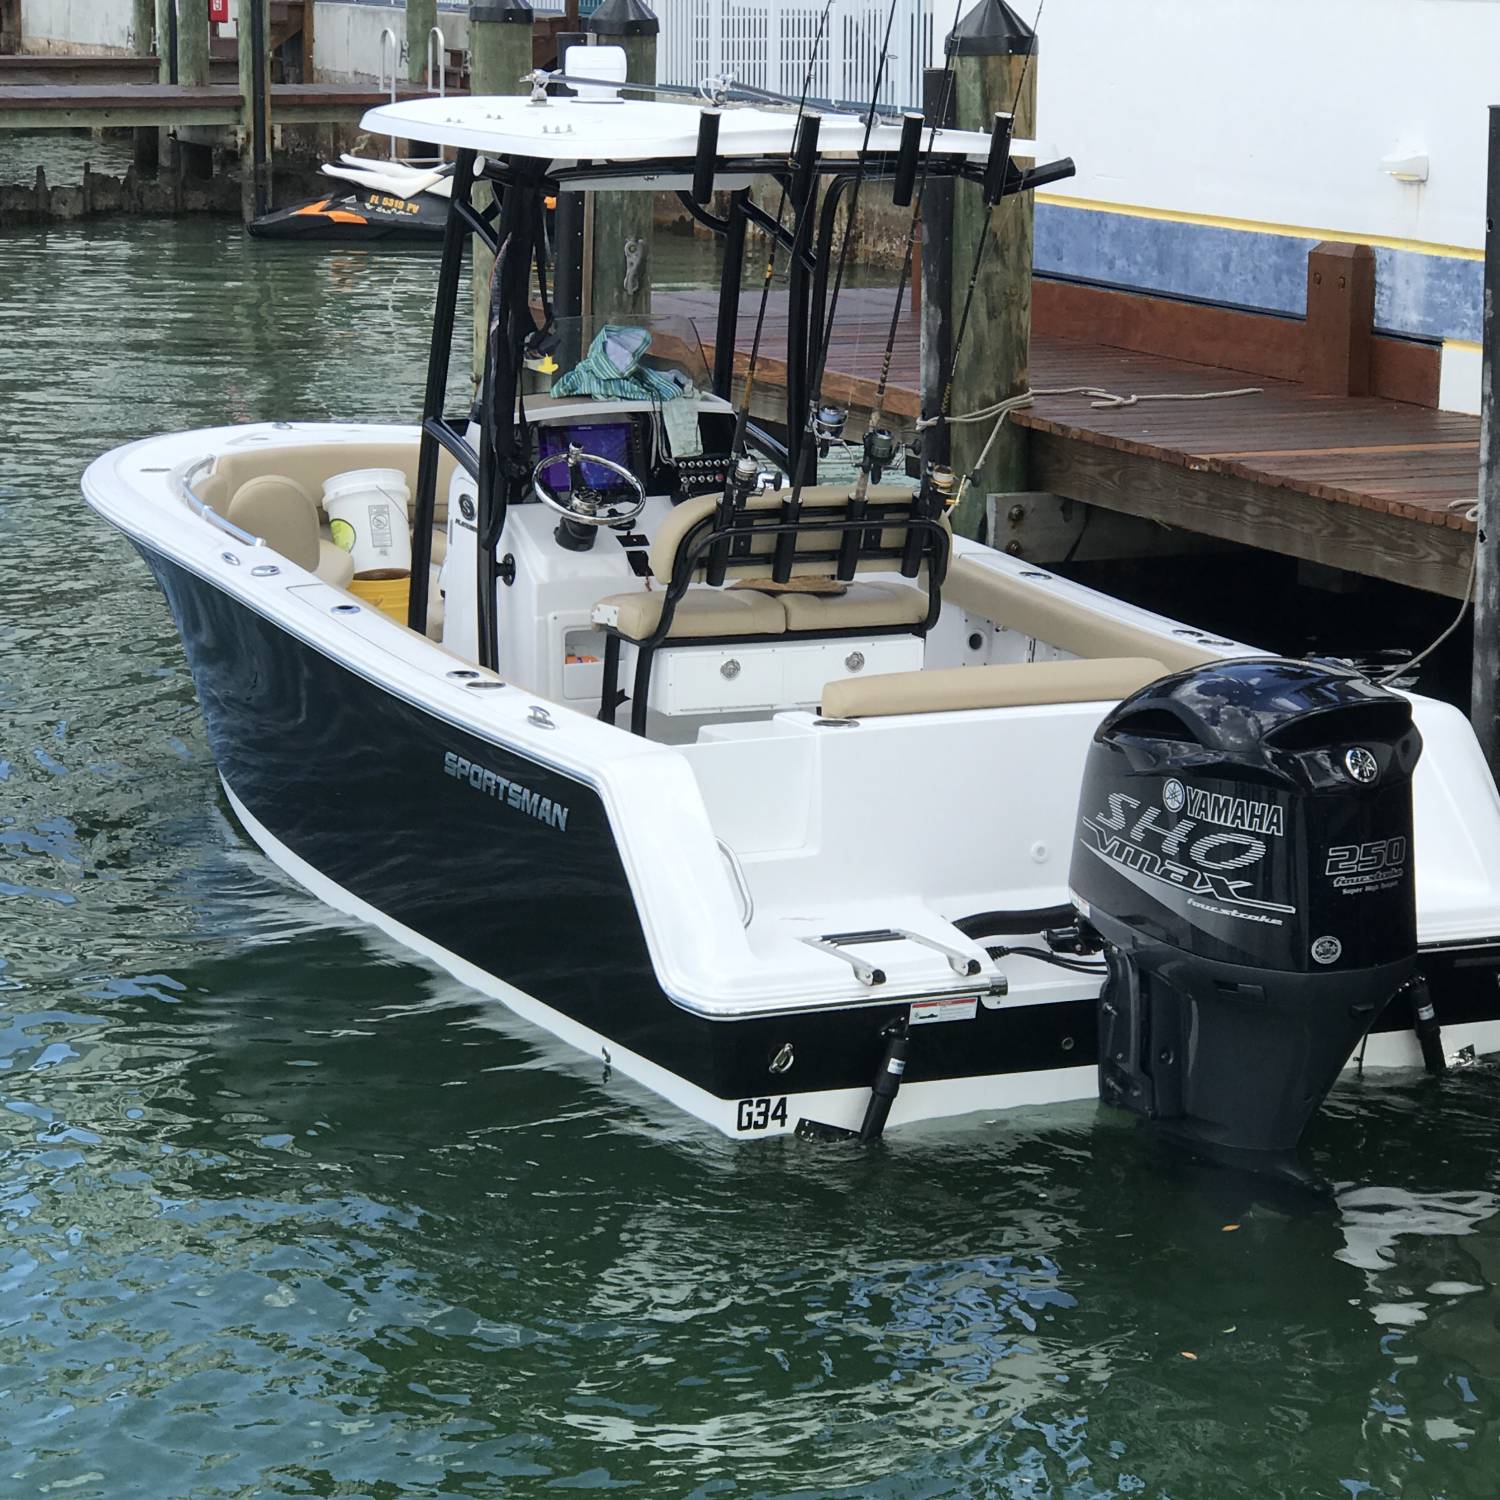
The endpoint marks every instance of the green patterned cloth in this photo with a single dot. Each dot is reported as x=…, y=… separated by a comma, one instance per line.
x=613, y=368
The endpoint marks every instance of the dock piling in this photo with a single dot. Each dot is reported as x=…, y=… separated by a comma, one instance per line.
x=255, y=128
x=164, y=29
x=1485, y=683
x=421, y=17
x=618, y=254
x=194, y=149
x=143, y=44
x=142, y=27
x=994, y=72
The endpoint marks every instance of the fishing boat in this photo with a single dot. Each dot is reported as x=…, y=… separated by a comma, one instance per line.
x=373, y=200
x=775, y=795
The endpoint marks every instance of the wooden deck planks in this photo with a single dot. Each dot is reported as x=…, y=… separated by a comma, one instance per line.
x=1375, y=485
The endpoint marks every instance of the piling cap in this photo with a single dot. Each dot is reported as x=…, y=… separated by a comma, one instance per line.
x=623, y=18
x=991, y=29
x=502, y=12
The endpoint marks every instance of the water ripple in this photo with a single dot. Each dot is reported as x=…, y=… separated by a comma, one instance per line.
x=284, y=1213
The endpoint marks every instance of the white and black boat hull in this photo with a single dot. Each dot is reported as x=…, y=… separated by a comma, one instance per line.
x=510, y=878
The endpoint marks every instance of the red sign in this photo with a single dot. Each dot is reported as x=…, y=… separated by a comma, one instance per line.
x=218, y=10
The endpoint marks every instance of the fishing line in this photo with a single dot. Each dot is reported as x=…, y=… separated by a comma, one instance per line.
x=850, y=215
x=742, y=417
x=909, y=257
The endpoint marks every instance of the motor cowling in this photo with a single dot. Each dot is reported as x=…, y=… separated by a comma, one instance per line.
x=1244, y=851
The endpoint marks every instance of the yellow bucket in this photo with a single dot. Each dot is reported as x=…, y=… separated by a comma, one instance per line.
x=389, y=595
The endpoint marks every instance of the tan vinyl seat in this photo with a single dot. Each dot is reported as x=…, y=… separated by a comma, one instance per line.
x=762, y=552
x=861, y=606
x=1008, y=686
x=283, y=515
x=702, y=614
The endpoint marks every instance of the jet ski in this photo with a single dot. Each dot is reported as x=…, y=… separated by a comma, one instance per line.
x=375, y=200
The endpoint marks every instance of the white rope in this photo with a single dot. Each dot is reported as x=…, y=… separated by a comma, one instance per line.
x=1000, y=410
x=1101, y=398
x=1109, y=399
x=1471, y=513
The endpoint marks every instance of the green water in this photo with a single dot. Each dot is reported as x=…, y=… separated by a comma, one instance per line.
x=285, y=1213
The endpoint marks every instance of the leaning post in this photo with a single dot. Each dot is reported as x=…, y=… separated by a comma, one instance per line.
x=500, y=34
x=618, y=255
x=994, y=72
x=1485, y=686
x=255, y=118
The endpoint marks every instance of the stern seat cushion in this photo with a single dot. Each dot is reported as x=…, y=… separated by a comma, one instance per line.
x=1004, y=686
x=1015, y=604
x=700, y=613
x=862, y=606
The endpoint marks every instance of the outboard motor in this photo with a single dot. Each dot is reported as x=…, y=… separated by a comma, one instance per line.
x=1244, y=850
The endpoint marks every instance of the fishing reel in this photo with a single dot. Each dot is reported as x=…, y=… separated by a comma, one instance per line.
x=941, y=484
x=881, y=450
x=744, y=480
x=828, y=427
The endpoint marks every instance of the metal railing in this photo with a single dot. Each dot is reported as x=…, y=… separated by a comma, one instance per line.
x=390, y=45
x=184, y=479
x=437, y=62
x=767, y=44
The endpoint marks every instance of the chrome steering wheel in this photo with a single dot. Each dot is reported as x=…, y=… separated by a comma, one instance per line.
x=584, y=504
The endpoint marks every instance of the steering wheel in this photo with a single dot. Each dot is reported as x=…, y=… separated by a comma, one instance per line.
x=584, y=504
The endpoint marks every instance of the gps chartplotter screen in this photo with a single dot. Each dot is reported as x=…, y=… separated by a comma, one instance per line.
x=606, y=439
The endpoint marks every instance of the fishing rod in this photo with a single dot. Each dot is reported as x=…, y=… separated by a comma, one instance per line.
x=718, y=90
x=879, y=447
x=791, y=508
x=801, y=161
x=820, y=363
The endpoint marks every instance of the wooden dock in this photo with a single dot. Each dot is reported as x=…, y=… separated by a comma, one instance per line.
x=1374, y=486
x=172, y=106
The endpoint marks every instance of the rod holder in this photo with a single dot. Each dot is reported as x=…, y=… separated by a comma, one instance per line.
x=708, y=151
x=906, y=160
x=805, y=157
x=1054, y=171
x=997, y=168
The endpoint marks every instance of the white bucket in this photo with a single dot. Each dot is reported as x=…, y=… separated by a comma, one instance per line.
x=367, y=511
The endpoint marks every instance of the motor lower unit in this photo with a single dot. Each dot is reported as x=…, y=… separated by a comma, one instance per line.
x=1244, y=852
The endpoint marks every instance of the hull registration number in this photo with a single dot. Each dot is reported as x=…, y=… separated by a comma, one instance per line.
x=760, y=1114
